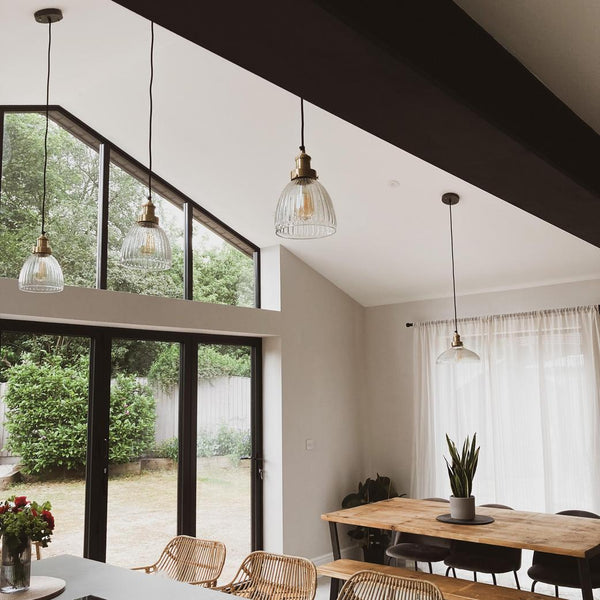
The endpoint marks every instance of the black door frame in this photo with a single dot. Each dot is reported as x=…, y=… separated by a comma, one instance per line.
x=96, y=497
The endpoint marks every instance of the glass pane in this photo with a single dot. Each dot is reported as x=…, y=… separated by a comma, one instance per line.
x=127, y=195
x=142, y=487
x=44, y=389
x=224, y=446
x=72, y=198
x=222, y=274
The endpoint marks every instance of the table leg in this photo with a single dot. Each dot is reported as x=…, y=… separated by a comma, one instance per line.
x=335, y=540
x=585, y=578
x=335, y=546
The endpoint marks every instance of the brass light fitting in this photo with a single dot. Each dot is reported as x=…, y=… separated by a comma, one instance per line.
x=148, y=216
x=303, y=168
x=456, y=342
x=42, y=247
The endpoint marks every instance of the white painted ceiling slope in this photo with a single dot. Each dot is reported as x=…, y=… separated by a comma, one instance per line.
x=228, y=139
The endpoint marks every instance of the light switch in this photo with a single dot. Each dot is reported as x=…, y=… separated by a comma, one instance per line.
x=310, y=444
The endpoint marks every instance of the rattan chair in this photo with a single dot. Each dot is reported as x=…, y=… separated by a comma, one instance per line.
x=190, y=560
x=266, y=576
x=371, y=585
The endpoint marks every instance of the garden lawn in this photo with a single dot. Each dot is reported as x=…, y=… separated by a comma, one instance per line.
x=142, y=513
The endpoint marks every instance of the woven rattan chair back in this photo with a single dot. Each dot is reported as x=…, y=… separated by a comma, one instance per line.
x=190, y=560
x=371, y=585
x=266, y=576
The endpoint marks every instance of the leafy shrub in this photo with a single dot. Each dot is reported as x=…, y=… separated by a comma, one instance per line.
x=226, y=441
x=132, y=416
x=167, y=449
x=46, y=414
x=46, y=417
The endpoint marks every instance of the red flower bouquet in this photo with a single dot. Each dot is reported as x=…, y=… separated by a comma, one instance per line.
x=21, y=522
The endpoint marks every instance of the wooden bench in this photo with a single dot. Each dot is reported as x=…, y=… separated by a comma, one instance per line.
x=451, y=588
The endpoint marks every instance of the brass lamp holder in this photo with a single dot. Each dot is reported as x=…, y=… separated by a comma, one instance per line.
x=148, y=216
x=456, y=341
x=303, y=168
x=42, y=247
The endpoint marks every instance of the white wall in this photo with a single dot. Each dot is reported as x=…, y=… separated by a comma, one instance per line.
x=389, y=361
x=322, y=358
x=120, y=309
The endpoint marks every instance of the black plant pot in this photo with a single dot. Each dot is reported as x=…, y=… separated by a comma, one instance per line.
x=374, y=553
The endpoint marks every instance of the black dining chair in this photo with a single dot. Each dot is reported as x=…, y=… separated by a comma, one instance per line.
x=484, y=558
x=563, y=571
x=419, y=548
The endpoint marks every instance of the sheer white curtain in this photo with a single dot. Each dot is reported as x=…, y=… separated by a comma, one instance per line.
x=533, y=401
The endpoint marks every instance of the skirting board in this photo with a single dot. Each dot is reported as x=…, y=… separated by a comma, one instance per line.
x=353, y=552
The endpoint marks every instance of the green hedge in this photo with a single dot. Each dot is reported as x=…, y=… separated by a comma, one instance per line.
x=226, y=441
x=46, y=417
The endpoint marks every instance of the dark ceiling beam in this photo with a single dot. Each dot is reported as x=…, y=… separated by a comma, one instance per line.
x=421, y=75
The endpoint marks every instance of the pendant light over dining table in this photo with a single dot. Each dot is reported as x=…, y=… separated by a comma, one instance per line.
x=146, y=245
x=41, y=272
x=457, y=352
x=304, y=210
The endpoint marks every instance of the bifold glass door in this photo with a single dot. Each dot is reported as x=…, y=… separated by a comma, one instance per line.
x=143, y=450
x=224, y=432
x=44, y=391
x=133, y=438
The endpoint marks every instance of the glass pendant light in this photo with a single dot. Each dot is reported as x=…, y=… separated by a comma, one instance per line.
x=457, y=352
x=304, y=210
x=147, y=246
x=41, y=272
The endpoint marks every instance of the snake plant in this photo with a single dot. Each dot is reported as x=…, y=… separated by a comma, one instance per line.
x=462, y=469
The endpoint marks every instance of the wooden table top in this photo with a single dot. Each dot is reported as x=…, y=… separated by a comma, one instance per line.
x=556, y=534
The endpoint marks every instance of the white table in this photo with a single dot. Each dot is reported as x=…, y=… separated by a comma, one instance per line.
x=86, y=577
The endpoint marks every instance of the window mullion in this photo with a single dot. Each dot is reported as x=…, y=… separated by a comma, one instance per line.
x=188, y=251
x=103, y=193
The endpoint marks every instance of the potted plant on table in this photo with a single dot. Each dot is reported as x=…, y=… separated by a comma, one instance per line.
x=373, y=541
x=21, y=522
x=461, y=472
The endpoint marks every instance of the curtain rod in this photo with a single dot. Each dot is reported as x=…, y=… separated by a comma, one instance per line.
x=517, y=314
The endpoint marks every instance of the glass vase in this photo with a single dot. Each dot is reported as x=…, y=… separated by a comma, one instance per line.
x=15, y=573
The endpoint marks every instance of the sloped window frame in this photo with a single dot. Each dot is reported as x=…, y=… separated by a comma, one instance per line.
x=110, y=153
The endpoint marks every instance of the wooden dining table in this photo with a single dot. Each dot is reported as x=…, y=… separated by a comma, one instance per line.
x=578, y=537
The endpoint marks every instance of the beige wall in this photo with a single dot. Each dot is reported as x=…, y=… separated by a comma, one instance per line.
x=119, y=309
x=389, y=361
x=322, y=358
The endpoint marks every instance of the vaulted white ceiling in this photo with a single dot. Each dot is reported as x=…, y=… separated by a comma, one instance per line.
x=228, y=139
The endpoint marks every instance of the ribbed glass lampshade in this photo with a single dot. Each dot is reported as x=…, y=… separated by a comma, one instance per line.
x=456, y=354
x=41, y=274
x=304, y=210
x=146, y=246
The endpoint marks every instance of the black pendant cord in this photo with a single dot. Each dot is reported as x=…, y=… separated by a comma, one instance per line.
x=453, y=276
x=46, y=132
x=150, y=115
x=302, y=148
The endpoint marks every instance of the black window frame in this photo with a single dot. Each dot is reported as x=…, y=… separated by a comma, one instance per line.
x=110, y=153
x=96, y=478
